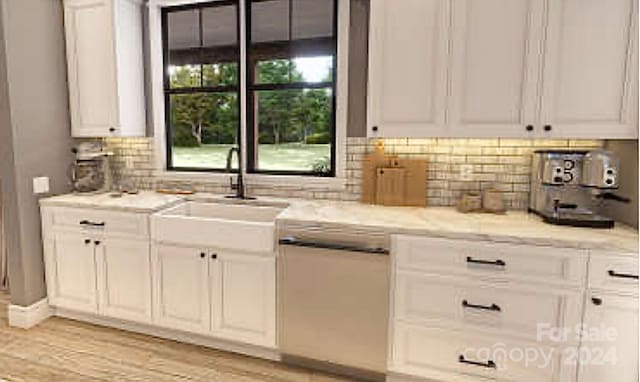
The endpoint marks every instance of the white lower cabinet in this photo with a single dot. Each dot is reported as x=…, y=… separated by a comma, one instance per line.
x=103, y=264
x=451, y=355
x=244, y=298
x=71, y=271
x=181, y=280
x=228, y=295
x=90, y=273
x=124, y=278
x=613, y=357
x=471, y=311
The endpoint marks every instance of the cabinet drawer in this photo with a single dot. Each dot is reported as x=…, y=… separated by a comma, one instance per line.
x=491, y=260
x=510, y=308
x=432, y=353
x=97, y=221
x=614, y=273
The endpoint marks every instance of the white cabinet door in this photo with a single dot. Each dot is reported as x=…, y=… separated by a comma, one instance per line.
x=181, y=288
x=244, y=298
x=91, y=64
x=616, y=359
x=124, y=279
x=71, y=273
x=589, y=82
x=408, y=52
x=495, y=65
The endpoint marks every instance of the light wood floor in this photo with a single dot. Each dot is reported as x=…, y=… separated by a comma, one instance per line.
x=69, y=351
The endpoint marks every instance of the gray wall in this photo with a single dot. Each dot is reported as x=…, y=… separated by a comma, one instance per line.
x=358, y=65
x=628, y=152
x=35, y=131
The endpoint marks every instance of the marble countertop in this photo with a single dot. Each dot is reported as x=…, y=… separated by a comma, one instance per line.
x=144, y=202
x=514, y=226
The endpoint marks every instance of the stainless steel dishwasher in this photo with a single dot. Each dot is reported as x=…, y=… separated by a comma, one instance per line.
x=333, y=301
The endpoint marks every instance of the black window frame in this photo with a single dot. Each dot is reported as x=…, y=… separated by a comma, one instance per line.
x=306, y=48
x=299, y=46
x=168, y=91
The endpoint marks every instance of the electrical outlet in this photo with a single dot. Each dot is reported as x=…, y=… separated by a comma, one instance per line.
x=466, y=172
x=41, y=185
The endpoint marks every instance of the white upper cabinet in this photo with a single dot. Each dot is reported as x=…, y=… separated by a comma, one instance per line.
x=105, y=67
x=590, y=66
x=407, y=67
x=503, y=68
x=495, y=67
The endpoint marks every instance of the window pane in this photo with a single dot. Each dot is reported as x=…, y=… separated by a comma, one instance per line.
x=312, y=19
x=269, y=21
x=200, y=41
x=204, y=126
x=294, y=130
x=273, y=72
x=183, y=30
x=220, y=74
x=301, y=69
x=220, y=26
x=184, y=76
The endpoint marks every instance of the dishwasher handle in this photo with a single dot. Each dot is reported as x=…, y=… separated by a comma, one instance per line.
x=293, y=241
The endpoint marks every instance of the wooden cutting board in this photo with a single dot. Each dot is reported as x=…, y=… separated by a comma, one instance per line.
x=415, y=179
x=416, y=171
x=391, y=186
x=370, y=166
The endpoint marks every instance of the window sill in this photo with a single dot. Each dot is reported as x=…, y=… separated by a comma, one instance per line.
x=305, y=182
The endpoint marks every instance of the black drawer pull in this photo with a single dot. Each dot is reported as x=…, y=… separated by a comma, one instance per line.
x=489, y=364
x=92, y=224
x=622, y=275
x=497, y=263
x=596, y=301
x=492, y=307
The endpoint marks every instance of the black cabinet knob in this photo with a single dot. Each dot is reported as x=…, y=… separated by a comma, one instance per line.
x=596, y=301
x=374, y=128
x=547, y=127
x=214, y=256
x=202, y=255
x=87, y=241
x=112, y=129
x=97, y=242
x=529, y=127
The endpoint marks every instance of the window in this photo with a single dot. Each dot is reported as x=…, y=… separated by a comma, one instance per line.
x=202, y=108
x=290, y=86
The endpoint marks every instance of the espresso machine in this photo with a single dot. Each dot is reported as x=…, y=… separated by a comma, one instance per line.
x=90, y=171
x=568, y=187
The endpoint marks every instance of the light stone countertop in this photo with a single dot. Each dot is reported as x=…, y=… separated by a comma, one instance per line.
x=514, y=226
x=143, y=202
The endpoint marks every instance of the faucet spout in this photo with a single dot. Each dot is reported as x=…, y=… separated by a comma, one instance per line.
x=238, y=187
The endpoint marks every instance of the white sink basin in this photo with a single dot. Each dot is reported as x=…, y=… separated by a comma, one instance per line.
x=244, y=227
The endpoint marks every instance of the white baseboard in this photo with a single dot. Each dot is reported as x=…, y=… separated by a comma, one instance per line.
x=26, y=317
x=155, y=331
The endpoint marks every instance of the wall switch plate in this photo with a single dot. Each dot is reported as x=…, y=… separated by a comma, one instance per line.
x=41, y=185
x=466, y=172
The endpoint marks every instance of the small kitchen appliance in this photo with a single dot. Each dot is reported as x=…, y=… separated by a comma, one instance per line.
x=568, y=187
x=90, y=172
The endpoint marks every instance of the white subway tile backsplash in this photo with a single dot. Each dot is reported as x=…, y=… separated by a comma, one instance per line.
x=501, y=164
